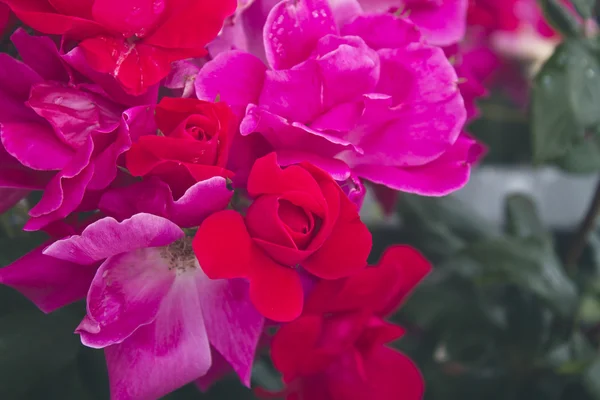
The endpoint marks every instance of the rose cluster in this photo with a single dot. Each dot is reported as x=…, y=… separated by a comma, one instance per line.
x=202, y=165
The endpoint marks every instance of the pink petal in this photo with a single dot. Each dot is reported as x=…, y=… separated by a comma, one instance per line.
x=15, y=175
x=219, y=368
x=48, y=282
x=14, y=92
x=35, y=145
x=155, y=197
x=295, y=94
x=430, y=112
x=105, y=163
x=107, y=237
x=342, y=60
x=64, y=192
x=236, y=77
x=293, y=28
x=183, y=77
x=234, y=326
x=444, y=24
x=126, y=293
x=41, y=54
x=74, y=114
x=139, y=121
x=440, y=177
x=345, y=11
x=283, y=135
x=381, y=31
x=166, y=354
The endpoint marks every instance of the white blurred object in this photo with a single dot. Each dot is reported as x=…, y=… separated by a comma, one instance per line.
x=562, y=199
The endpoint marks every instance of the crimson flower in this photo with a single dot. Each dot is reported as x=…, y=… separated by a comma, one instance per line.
x=336, y=349
x=193, y=146
x=133, y=40
x=299, y=217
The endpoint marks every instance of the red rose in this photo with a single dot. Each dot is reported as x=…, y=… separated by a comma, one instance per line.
x=337, y=348
x=299, y=217
x=194, y=145
x=133, y=40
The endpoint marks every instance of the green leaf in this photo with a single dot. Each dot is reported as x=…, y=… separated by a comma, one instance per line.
x=571, y=357
x=442, y=226
x=585, y=8
x=589, y=309
x=529, y=264
x=560, y=17
x=591, y=378
x=583, y=157
x=554, y=125
x=522, y=219
x=583, y=83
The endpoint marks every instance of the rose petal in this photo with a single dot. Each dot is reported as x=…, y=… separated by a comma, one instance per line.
x=35, y=145
x=293, y=28
x=440, y=177
x=223, y=246
x=107, y=237
x=234, y=326
x=295, y=94
x=170, y=352
x=235, y=77
x=153, y=196
x=40, y=53
x=381, y=31
x=130, y=17
x=46, y=281
x=345, y=250
x=191, y=23
x=276, y=290
x=125, y=294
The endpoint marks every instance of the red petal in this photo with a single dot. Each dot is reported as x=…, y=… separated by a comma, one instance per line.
x=41, y=16
x=392, y=376
x=129, y=17
x=388, y=375
x=263, y=222
x=136, y=66
x=344, y=253
x=191, y=24
x=223, y=246
x=410, y=268
x=293, y=343
x=379, y=332
x=170, y=112
x=267, y=177
x=276, y=291
x=366, y=289
x=79, y=8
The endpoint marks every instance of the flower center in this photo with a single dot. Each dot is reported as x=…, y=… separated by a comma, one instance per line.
x=180, y=256
x=296, y=218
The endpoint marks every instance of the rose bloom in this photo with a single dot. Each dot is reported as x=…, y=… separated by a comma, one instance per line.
x=192, y=145
x=337, y=349
x=299, y=217
x=135, y=41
